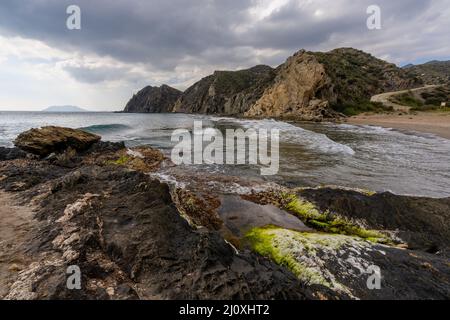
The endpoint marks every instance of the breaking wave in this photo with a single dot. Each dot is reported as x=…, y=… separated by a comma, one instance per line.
x=105, y=128
x=292, y=134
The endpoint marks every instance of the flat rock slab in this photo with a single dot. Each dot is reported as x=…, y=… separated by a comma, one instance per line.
x=240, y=216
x=47, y=140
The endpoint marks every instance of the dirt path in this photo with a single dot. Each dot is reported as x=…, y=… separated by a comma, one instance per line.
x=384, y=97
x=15, y=224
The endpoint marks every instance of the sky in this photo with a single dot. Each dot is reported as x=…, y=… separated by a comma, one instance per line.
x=125, y=45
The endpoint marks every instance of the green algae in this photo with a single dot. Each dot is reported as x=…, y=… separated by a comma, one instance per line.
x=326, y=222
x=122, y=161
x=263, y=242
x=298, y=252
x=305, y=210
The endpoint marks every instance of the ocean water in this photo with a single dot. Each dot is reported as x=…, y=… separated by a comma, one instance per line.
x=311, y=154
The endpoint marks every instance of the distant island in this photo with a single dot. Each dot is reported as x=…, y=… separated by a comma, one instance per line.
x=64, y=109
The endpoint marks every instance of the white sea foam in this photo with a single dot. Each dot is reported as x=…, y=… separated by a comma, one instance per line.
x=292, y=134
x=166, y=178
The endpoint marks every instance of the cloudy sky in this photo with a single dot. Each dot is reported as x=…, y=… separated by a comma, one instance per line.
x=124, y=45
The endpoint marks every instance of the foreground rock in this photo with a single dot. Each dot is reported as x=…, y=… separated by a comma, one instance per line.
x=345, y=265
x=134, y=237
x=47, y=140
x=11, y=153
x=124, y=231
x=422, y=223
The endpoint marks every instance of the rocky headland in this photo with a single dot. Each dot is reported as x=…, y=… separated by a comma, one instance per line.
x=312, y=86
x=140, y=227
x=153, y=100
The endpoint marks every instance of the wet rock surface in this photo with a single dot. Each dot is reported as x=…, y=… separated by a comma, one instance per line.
x=347, y=265
x=122, y=228
x=423, y=223
x=11, y=153
x=133, y=235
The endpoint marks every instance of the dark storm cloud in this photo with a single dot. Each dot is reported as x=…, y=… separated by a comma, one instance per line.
x=159, y=32
x=95, y=75
x=162, y=33
x=292, y=27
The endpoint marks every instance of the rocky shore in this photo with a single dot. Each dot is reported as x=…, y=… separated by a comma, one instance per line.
x=140, y=227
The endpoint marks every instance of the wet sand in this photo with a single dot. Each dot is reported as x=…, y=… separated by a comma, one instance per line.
x=437, y=123
x=15, y=223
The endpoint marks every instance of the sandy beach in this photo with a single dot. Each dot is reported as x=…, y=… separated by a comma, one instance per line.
x=437, y=123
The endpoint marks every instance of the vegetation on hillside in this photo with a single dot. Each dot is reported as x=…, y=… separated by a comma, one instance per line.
x=429, y=100
x=357, y=76
x=237, y=81
x=433, y=72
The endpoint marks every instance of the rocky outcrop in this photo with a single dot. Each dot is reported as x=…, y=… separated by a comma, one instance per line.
x=300, y=90
x=11, y=153
x=153, y=100
x=226, y=92
x=122, y=228
x=346, y=265
x=47, y=140
x=422, y=223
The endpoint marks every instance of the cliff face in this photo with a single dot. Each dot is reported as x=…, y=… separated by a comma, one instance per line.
x=153, y=100
x=301, y=89
x=226, y=92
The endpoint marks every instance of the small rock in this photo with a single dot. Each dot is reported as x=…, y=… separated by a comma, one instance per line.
x=110, y=291
x=15, y=268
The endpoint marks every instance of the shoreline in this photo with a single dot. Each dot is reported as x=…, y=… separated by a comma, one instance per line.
x=437, y=123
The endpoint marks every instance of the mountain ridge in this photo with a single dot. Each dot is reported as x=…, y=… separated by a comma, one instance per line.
x=432, y=72
x=312, y=86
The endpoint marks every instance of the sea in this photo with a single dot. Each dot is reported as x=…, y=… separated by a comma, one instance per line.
x=311, y=154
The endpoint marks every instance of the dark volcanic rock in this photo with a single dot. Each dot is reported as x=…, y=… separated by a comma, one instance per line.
x=47, y=140
x=423, y=223
x=153, y=100
x=11, y=153
x=123, y=230
x=347, y=264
